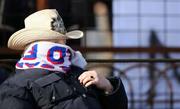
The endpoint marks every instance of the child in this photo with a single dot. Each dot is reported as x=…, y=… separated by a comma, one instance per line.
x=51, y=75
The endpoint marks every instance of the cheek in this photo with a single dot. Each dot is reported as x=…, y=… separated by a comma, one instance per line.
x=62, y=41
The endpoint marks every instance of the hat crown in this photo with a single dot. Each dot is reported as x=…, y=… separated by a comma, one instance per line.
x=43, y=25
x=45, y=19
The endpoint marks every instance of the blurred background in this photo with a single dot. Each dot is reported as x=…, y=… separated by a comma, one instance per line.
x=137, y=40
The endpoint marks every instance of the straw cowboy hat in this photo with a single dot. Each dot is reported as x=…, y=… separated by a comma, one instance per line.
x=42, y=25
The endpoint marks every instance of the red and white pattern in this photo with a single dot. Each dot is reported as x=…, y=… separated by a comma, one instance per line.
x=50, y=56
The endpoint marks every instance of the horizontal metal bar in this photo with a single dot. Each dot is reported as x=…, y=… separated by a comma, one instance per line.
x=132, y=60
x=113, y=60
x=6, y=51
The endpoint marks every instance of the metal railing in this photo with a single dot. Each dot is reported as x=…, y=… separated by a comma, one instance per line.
x=149, y=99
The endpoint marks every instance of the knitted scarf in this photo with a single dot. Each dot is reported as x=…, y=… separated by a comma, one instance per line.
x=50, y=56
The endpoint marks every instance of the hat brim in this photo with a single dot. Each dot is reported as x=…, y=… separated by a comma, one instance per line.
x=20, y=39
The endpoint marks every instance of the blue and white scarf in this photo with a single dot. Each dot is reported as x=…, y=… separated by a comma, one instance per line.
x=50, y=56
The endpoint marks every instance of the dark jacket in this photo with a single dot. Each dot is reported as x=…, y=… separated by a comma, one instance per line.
x=42, y=89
